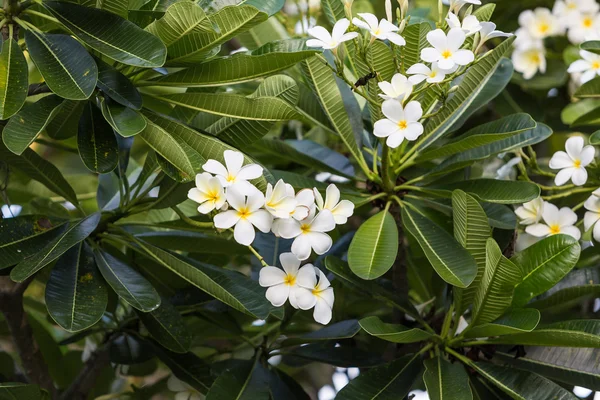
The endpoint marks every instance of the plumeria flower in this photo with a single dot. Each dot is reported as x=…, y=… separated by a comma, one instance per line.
x=456, y=5
x=277, y=200
x=529, y=61
x=283, y=284
x=488, y=31
x=421, y=72
x=209, y=192
x=341, y=210
x=446, y=50
x=326, y=41
x=245, y=216
x=382, y=30
x=305, y=203
x=317, y=294
x=470, y=24
x=531, y=212
x=555, y=221
x=591, y=217
x=583, y=26
x=309, y=234
x=572, y=163
x=400, y=88
x=183, y=390
x=400, y=123
x=540, y=23
x=234, y=172
x=525, y=41
x=589, y=66
x=567, y=9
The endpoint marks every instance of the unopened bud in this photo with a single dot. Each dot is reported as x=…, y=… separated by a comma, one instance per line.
x=403, y=8
x=388, y=10
x=402, y=26
x=453, y=89
x=348, y=8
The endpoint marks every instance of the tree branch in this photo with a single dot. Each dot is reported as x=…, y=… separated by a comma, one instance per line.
x=38, y=88
x=11, y=305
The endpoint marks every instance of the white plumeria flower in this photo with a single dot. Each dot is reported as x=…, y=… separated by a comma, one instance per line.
x=209, y=192
x=317, y=294
x=456, y=5
x=488, y=31
x=246, y=215
x=591, y=217
x=400, y=123
x=525, y=41
x=183, y=390
x=568, y=10
x=446, y=50
x=555, y=221
x=589, y=66
x=421, y=72
x=341, y=210
x=529, y=61
x=470, y=24
x=277, y=200
x=305, y=203
x=540, y=23
x=531, y=212
x=323, y=39
x=382, y=30
x=309, y=234
x=400, y=88
x=583, y=27
x=572, y=163
x=234, y=171
x=283, y=284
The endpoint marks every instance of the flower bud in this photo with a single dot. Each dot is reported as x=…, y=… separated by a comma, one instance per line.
x=388, y=10
x=348, y=8
x=403, y=8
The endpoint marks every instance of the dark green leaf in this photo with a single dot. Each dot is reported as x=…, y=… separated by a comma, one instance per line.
x=96, y=141
x=245, y=380
x=393, y=332
x=13, y=78
x=188, y=367
x=117, y=86
x=16, y=391
x=166, y=325
x=339, y=330
x=65, y=123
x=193, y=242
x=339, y=356
x=514, y=321
x=446, y=381
x=580, y=333
x=495, y=191
x=124, y=120
x=578, y=286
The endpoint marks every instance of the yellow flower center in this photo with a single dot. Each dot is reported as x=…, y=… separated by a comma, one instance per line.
x=377, y=32
x=596, y=65
x=588, y=22
x=213, y=196
x=403, y=124
x=535, y=58
x=543, y=27
x=572, y=6
x=554, y=229
x=290, y=280
x=305, y=228
x=577, y=163
x=433, y=74
x=447, y=54
x=230, y=178
x=244, y=213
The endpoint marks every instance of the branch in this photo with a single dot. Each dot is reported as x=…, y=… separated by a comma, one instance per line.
x=11, y=305
x=38, y=88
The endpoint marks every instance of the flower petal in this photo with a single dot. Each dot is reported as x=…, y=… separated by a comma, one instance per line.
x=456, y=38
x=579, y=177
x=571, y=231
x=574, y=147
x=587, y=155
x=206, y=207
x=396, y=39
x=385, y=128
x=226, y=220
x=306, y=277
x=339, y=29
x=322, y=313
x=430, y=54
x=463, y=57
x=243, y=233
x=301, y=247
x=290, y=263
x=270, y=276
x=538, y=230
x=560, y=160
x=215, y=167
x=320, y=242
x=250, y=171
x=551, y=214
x=589, y=219
x=563, y=176
x=332, y=197
x=371, y=20
x=234, y=161
x=343, y=211
x=393, y=110
x=395, y=139
x=278, y=294
x=320, y=33
x=438, y=39
x=413, y=131
x=304, y=298
x=288, y=228
x=323, y=222
x=596, y=233
x=566, y=217
x=413, y=111
x=419, y=68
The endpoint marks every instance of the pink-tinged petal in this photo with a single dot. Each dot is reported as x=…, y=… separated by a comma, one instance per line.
x=538, y=230
x=322, y=313
x=395, y=140
x=320, y=242
x=560, y=160
x=301, y=247
x=413, y=111
x=343, y=211
x=579, y=66
x=446, y=63
x=430, y=54
x=306, y=277
x=304, y=298
x=288, y=228
x=419, y=68
x=323, y=222
x=332, y=197
x=234, y=161
x=393, y=110
x=587, y=155
x=396, y=39
x=236, y=198
x=277, y=295
x=385, y=128
x=315, y=43
x=574, y=147
x=290, y=263
x=250, y=171
x=226, y=220
x=413, y=131
x=340, y=28
x=371, y=20
x=463, y=57
x=206, y=207
x=438, y=39
x=456, y=38
x=579, y=177
x=215, y=167
x=262, y=220
x=320, y=33
x=243, y=233
x=571, y=231
x=566, y=217
x=550, y=214
x=589, y=219
x=563, y=176
x=596, y=232
x=271, y=276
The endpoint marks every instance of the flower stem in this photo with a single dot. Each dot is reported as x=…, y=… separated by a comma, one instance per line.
x=190, y=221
x=257, y=254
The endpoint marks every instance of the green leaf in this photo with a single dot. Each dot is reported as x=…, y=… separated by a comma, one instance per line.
x=578, y=333
x=595, y=138
x=183, y=21
x=340, y=330
x=522, y=385
x=110, y=34
x=387, y=382
x=589, y=90
x=493, y=190
x=27, y=124
x=129, y=284
x=23, y=236
x=576, y=287
x=244, y=381
x=230, y=287
x=96, y=141
x=124, y=120
x=323, y=83
x=166, y=325
x=117, y=86
x=193, y=242
x=238, y=68
x=494, y=294
x=450, y=260
x=65, y=123
x=76, y=294
x=188, y=367
x=514, y=321
x=555, y=76
x=66, y=66
x=374, y=247
x=544, y=264
x=392, y=332
x=119, y=7
x=593, y=46
x=445, y=380
x=416, y=40
x=339, y=355
x=471, y=230
x=15, y=391
x=73, y=234
x=471, y=86
x=13, y=78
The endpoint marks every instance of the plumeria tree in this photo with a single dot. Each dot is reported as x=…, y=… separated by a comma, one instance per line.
x=223, y=199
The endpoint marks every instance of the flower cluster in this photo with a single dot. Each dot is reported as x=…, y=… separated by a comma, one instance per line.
x=579, y=19
x=543, y=219
x=226, y=191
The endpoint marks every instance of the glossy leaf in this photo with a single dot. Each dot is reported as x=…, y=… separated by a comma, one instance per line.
x=337, y=355
x=514, y=321
x=117, y=86
x=450, y=260
x=183, y=21
x=392, y=332
x=416, y=40
x=495, y=191
x=13, y=78
x=124, y=120
x=66, y=66
x=573, y=289
x=188, y=367
x=579, y=333
x=65, y=123
x=374, y=247
x=110, y=34
x=166, y=325
x=589, y=90
x=193, y=242
x=96, y=141
x=76, y=232
x=340, y=330
x=445, y=380
x=245, y=380
x=76, y=294
x=27, y=124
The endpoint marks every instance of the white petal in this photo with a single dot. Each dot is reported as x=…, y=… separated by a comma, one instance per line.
x=270, y=276
x=416, y=79
x=385, y=128
x=587, y=76
x=395, y=139
x=323, y=222
x=340, y=28
x=574, y=147
x=446, y=63
x=438, y=39
x=236, y=198
x=301, y=247
x=463, y=57
x=215, y=167
x=318, y=199
x=320, y=242
x=196, y=195
x=566, y=217
x=306, y=198
x=288, y=228
x=328, y=297
x=550, y=214
x=304, y=298
x=456, y=37
x=579, y=177
x=277, y=295
x=430, y=54
x=320, y=33
x=396, y=39
x=226, y=220
x=348, y=36
x=589, y=219
x=563, y=176
x=262, y=220
x=361, y=24
x=206, y=207
x=322, y=313
x=243, y=232
x=332, y=197
x=579, y=66
x=393, y=110
x=560, y=160
x=343, y=211
x=290, y=263
x=538, y=230
x=234, y=161
x=387, y=88
x=419, y=68
x=413, y=111
x=306, y=277
x=596, y=232
x=323, y=281
x=371, y=20
x=571, y=231
x=250, y=171
x=315, y=43
x=413, y=131
x=387, y=26
x=587, y=155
